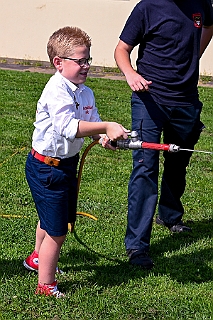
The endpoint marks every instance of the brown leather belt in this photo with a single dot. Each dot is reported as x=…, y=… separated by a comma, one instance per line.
x=48, y=160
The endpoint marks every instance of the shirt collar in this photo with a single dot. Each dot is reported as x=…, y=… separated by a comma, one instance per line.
x=70, y=84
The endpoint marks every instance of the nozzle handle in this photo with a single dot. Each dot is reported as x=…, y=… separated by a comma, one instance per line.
x=155, y=146
x=114, y=144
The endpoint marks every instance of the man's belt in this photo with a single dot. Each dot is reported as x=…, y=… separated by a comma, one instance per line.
x=48, y=160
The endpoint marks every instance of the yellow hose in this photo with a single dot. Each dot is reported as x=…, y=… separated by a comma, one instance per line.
x=82, y=162
x=11, y=216
x=12, y=155
x=87, y=215
x=71, y=225
x=1, y=164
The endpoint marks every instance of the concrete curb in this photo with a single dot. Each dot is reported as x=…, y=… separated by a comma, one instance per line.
x=95, y=72
x=45, y=67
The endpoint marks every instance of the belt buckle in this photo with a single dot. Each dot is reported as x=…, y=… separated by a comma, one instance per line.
x=51, y=161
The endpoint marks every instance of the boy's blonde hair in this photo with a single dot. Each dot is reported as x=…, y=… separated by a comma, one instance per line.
x=63, y=42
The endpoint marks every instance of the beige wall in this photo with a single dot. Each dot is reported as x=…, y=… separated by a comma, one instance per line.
x=206, y=62
x=27, y=24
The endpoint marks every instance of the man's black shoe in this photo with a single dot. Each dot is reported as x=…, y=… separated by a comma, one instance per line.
x=176, y=228
x=140, y=258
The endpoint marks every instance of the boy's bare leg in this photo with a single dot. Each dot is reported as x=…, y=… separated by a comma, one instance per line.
x=48, y=258
x=40, y=234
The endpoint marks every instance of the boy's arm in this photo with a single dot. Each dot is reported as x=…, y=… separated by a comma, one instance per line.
x=122, y=58
x=113, y=130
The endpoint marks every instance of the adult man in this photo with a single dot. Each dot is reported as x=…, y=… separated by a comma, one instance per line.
x=172, y=35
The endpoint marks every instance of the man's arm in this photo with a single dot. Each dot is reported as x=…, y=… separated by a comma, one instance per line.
x=122, y=58
x=206, y=36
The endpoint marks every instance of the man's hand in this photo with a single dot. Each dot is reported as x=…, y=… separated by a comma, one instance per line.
x=137, y=82
x=122, y=58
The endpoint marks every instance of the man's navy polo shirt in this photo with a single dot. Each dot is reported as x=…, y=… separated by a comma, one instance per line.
x=168, y=33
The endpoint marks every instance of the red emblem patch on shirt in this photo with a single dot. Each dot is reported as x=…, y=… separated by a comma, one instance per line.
x=87, y=108
x=197, y=20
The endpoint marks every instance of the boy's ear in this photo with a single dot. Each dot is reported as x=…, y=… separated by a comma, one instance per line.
x=57, y=63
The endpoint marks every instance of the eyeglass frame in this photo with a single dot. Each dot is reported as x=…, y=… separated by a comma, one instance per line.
x=80, y=62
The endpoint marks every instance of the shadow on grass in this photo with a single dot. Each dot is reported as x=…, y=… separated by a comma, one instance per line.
x=12, y=268
x=191, y=266
x=105, y=270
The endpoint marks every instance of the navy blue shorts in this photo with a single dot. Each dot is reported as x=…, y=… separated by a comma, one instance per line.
x=54, y=191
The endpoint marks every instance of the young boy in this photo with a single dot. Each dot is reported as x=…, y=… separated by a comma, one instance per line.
x=66, y=113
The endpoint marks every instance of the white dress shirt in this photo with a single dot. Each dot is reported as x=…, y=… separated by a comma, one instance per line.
x=60, y=107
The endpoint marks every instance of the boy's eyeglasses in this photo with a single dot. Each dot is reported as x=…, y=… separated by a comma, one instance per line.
x=81, y=62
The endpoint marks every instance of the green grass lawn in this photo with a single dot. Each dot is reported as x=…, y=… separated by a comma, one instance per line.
x=98, y=281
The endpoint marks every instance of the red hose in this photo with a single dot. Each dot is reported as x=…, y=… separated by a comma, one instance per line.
x=155, y=146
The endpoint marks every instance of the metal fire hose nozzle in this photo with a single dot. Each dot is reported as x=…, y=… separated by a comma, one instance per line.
x=128, y=144
x=173, y=148
x=134, y=143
